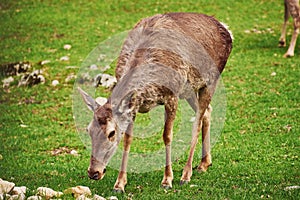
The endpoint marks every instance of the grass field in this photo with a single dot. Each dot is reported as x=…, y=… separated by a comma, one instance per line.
x=257, y=154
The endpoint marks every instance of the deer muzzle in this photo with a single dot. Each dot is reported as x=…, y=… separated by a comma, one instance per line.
x=96, y=170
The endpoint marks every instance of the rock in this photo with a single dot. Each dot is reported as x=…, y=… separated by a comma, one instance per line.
x=67, y=46
x=6, y=187
x=48, y=193
x=17, y=197
x=4, y=196
x=55, y=83
x=82, y=197
x=78, y=191
x=12, y=69
x=105, y=80
x=70, y=78
x=44, y=62
x=74, y=153
x=97, y=197
x=7, y=81
x=113, y=198
x=93, y=67
x=101, y=100
x=65, y=58
x=33, y=78
x=294, y=187
x=18, y=190
x=34, y=198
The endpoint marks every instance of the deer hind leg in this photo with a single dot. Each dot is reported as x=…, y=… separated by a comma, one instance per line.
x=295, y=13
x=206, y=156
x=170, y=114
x=203, y=102
x=282, y=42
x=122, y=177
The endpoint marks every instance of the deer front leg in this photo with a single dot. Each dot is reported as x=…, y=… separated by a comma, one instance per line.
x=170, y=113
x=282, y=42
x=206, y=156
x=122, y=177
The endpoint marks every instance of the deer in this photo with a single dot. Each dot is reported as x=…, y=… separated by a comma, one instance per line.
x=164, y=58
x=291, y=8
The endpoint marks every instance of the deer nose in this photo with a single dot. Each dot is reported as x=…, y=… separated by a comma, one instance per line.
x=96, y=175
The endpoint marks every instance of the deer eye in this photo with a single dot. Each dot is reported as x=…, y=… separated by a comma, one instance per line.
x=111, y=134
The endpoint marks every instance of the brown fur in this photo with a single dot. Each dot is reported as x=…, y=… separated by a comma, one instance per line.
x=164, y=58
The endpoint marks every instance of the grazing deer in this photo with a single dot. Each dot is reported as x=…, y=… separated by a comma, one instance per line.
x=291, y=7
x=165, y=57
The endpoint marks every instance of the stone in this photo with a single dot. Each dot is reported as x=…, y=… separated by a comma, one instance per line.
x=82, y=197
x=18, y=190
x=34, y=198
x=67, y=46
x=33, y=78
x=48, y=193
x=78, y=191
x=97, y=197
x=105, y=80
x=6, y=187
x=55, y=83
x=7, y=81
x=65, y=58
x=101, y=100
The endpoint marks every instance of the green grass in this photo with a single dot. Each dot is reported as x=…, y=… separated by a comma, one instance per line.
x=256, y=156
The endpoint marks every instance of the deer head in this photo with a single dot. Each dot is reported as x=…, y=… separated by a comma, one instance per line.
x=105, y=130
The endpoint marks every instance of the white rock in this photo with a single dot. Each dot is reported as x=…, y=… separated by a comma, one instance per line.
x=78, y=191
x=44, y=62
x=101, y=100
x=273, y=74
x=113, y=198
x=34, y=198
x=17, y=197
x=19, y=190
x=105, y=80
x=55, y=83
x=65, y=58
x=93, y=67
x=6, y=187
x=292, y=187
x=70, y=77
x=4, y=196
x=7, y=81
x=74, y=152
x=48, y=192
x=108, y=80
x=67, y=46
x=97, y=197
x=41, y=78
x=82, y=197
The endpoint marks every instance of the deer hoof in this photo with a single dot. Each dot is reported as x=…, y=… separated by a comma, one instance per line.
x=184, y=182
x=119, y=190
x=288, y=55
x=166, y=187
x=281, y=43
x=203, y=168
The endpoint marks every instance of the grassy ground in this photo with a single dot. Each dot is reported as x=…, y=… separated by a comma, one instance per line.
x=257, y=155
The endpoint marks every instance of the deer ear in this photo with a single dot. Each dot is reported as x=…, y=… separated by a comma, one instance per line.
x=89, y=101
x=128, y=103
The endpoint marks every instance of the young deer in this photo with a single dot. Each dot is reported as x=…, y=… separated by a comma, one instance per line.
x=164, y=58
x=291, y=7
